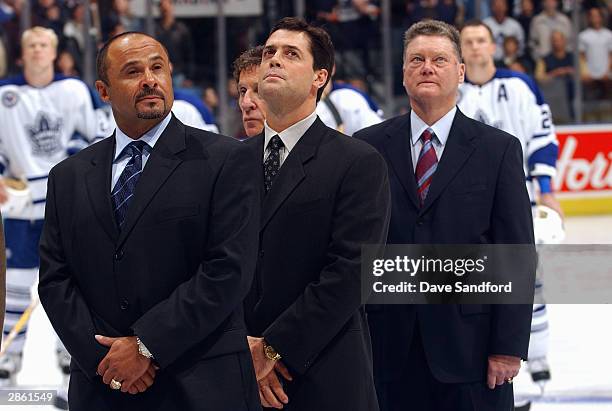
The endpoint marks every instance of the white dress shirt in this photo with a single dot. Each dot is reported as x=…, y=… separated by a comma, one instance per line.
x=441, y=129
x=290, y=136
x=121, y=159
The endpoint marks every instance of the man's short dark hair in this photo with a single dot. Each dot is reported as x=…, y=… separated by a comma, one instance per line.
x=321, y=46
x=434, y=28
x=479, y=23
x=247, y=61
x=102, y=60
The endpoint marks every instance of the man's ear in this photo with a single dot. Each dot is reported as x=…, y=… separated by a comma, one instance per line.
x=321, y=76
x=461, y=73
x=103, y=91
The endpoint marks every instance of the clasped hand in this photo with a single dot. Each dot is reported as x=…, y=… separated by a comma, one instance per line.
x=271, y=393
x=125, y=364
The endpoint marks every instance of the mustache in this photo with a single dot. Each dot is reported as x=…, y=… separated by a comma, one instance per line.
x=149, y=92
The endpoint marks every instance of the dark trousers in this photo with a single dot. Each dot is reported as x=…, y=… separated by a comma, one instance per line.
x=419, y=390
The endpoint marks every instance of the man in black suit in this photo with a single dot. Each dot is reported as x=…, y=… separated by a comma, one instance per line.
x=453, y=181
x=325, y=196
x=148, y=250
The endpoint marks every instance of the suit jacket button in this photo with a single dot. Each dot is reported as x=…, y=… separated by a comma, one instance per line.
x=118, y=255
x=124, y=304
x=419, y=222
x=261, y=253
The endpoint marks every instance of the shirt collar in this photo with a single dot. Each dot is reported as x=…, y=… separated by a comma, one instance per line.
x=441, y=128
x=291, y=135
x=150, y=137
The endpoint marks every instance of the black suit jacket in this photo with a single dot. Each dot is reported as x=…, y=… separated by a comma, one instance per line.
x=477, y=196
x=175, y=275
x=330, y=197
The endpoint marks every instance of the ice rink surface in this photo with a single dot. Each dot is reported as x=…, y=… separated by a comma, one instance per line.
x=580, y=346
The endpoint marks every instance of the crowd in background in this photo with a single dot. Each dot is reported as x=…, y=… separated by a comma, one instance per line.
x=533, y=36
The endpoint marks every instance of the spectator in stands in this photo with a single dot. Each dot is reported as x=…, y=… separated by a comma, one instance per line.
x=525, y=16
x=444, y=10
x=210, y=99
x=74, y=39
x=542, y=27
x=503, y=26
x=356, y=31
x=595, y=45
x=11, y=28
x=448, y=11
x=322, y=11
x=47, y=13
x=116, y=29
x=175, y=36
x=65, y=64
x=514, y=60
x=559, y=64
x=120, y=14
x=73, y=29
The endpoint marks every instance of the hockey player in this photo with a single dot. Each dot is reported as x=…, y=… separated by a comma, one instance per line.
x=44, y=117
x=512, y=102
x=345, y=109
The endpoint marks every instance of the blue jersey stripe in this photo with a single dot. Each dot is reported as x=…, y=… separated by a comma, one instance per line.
x=30, y=179
x=546, y=155
x=22, y=238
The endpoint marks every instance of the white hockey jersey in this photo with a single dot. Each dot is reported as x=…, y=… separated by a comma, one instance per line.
x=353, y=109
x=190, y=116
x=40, y=127
x=512, y=102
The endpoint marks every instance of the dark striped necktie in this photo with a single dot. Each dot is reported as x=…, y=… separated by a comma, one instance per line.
x=272, y=163
x=426, y=165
x=123, y=192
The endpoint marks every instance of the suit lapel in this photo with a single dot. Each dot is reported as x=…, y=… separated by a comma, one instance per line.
x=98, y=186
x=292, y=171
x=397, y=149
x=159, y=166
x=259, y=141
x=458, y=149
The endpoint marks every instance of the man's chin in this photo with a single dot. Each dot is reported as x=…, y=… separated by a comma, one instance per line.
x=150, y=115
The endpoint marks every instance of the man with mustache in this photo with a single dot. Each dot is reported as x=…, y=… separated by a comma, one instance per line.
x=251, y=104
x=325, y=196
x=149, y=244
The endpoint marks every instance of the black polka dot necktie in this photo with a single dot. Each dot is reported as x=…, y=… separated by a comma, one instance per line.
x=272, y=163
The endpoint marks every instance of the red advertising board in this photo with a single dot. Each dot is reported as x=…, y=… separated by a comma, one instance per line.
x=584, y=168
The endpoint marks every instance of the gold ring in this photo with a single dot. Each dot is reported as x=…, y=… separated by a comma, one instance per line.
x=115, y=385
x=509, y=380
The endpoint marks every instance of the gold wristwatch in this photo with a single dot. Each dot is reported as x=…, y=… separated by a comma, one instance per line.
x=270, y=352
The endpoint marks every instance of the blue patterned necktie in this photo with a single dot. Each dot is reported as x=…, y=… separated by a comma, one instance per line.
x=272, y=163
x=124, y=188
